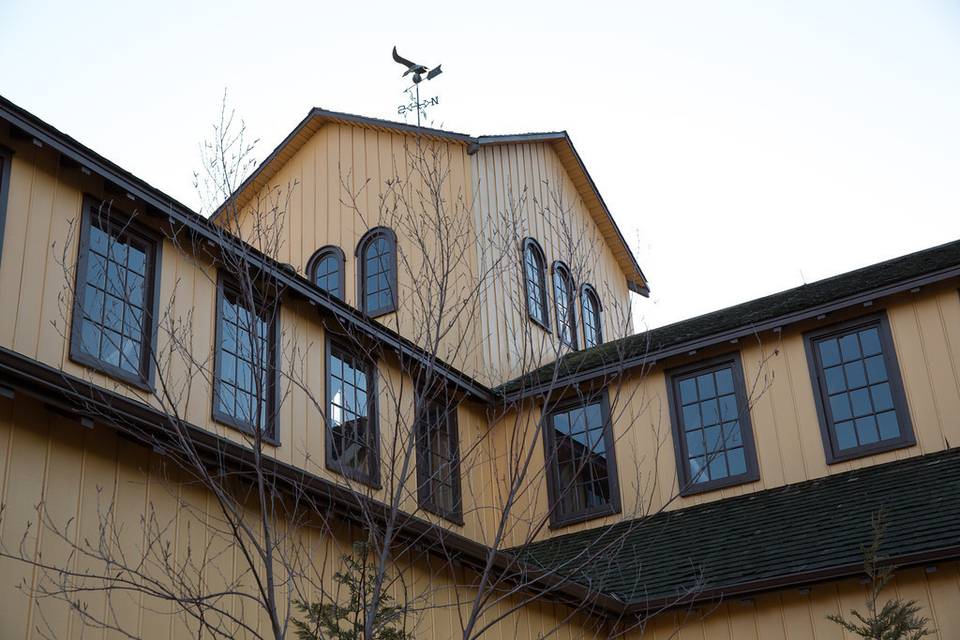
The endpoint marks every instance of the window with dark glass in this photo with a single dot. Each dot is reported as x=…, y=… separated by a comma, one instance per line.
x=377, y=252
x=712, y=433
x=325, y=268
x=6, y=159
x=245, y=382
x=590, y=317
x=352, y=439
x=581, y=463
x=563, y=297
x=115, y=295
x=860, y=399
x=438, y=459
x=534, y=278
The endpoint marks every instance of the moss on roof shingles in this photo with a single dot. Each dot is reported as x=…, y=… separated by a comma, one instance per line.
x=817, y=525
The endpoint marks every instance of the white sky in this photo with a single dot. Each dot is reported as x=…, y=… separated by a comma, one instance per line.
x=742, y=146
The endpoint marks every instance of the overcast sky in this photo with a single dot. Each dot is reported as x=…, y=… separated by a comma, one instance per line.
x=743, y=147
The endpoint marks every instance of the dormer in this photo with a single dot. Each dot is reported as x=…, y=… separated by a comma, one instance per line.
x=371, y=210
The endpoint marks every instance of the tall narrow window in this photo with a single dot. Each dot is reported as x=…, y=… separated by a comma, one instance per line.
x=590, y=317
x=112, y=328
x=534, y=279
x=582, y=473
x=438, y=459
x=245, y=389
x=352, y=441
x=325, y=268
x=377, y=273
x=712, y=435
x=6, y=161
x=563, y=297
x=860, y=399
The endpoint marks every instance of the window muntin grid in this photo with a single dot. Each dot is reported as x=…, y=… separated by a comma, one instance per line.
x=379, y=274
x=534, y=276
x=709, y=410
x=328, y=274
x=439, y=467
x=352, y=437
x=114, y=288
x=244, y=370
x=563, y=299
x=590, y=318
x=859, y=399
x=581, y=459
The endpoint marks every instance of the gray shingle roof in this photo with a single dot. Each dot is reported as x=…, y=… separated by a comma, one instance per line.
x=805, y=529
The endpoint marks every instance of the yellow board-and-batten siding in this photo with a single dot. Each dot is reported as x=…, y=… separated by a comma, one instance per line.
x=332, y=164
x=43, y=451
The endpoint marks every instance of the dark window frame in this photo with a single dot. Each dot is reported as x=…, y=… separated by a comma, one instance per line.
x=271, y=435
x=674, y=377
x=554, y=490
x=6, y=168
x=319, y=256
x=560, y=267
x=123, y=225
x=587, y=289
x=827, y=432
x=371, y=479
x=530, y=244
x=367, y=238
x=425, y=497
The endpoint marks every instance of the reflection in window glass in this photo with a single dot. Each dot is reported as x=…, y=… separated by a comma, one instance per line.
x=328, y=275
x=113, y=298
x=533, y=270
x=439, y=466
x=710, y=421
x=590, y=318
x=581, y=458
x=858, y=395
x=379, y=265
x=243, y=378
x=563, y=298
x=352, y=438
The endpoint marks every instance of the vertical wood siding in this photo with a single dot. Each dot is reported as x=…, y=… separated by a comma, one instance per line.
x=36, y=282
x=526, y=185
x=44, y=456
x=926, y=333
x=75, y=471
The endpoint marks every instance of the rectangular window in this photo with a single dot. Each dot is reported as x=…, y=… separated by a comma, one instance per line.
x=6, y=161
x=582, y=472
x=859, y=394
x=115, y=297
x=712, y=435
x=246, y=385
x=438, y=459
x=352, y=442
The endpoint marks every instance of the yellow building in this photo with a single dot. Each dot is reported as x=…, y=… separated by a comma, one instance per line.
x=421, y=340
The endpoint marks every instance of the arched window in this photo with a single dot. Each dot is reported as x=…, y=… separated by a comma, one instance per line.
x=325, y=268
x=534, y=280
x=563, y=297
x=590, y=317
x=377, y=272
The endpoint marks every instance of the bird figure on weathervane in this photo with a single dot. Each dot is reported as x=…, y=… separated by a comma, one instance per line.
x=416, y=69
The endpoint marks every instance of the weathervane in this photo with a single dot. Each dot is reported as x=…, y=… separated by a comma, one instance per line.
x=418, y=71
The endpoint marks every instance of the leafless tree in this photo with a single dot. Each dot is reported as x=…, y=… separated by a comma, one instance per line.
x=452, y=256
